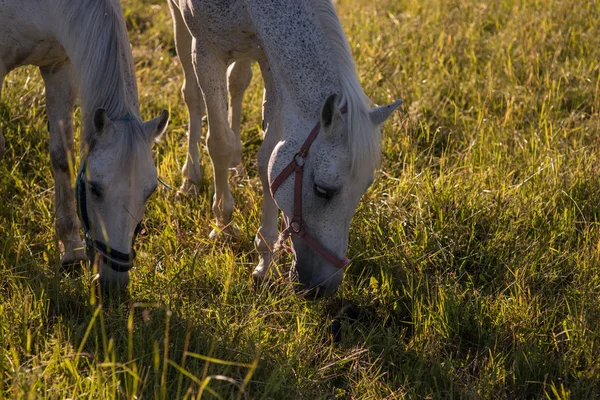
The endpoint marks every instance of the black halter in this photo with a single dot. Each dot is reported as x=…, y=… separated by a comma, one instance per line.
x=119, y=262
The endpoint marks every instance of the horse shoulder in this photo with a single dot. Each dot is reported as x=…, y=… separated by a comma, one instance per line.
x=26, y=36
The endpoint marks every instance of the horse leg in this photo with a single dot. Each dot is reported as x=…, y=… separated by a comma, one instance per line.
x=60, y=102
x=238, y=80
x=273, y=127
x=192, y=95
x=211, y=74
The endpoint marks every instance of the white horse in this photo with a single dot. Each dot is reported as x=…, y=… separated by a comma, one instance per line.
x=84, y=44
x=312, y=95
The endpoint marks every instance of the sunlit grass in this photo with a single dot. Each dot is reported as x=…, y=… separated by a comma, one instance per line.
x=476, y=249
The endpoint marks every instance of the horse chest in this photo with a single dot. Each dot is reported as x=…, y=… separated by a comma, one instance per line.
x=44, y=53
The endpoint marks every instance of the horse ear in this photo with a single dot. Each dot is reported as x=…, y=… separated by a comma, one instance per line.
x=380, y=114
x=157, y=126
x=330, y=115
x=101, y=120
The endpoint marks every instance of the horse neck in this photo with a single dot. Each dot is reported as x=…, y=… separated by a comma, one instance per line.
x=94, y=35
x=298, y=54
x=310, y=57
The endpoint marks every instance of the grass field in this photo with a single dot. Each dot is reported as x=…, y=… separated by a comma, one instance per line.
x=476, y=251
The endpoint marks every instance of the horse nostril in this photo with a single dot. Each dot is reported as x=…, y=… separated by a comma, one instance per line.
x=314, y=293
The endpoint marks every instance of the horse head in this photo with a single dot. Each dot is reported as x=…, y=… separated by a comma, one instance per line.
x=116, y=178
x=317, y=184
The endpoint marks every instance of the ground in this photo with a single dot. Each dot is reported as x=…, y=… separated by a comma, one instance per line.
x=476, y=250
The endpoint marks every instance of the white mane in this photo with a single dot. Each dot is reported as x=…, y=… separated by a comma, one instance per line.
x=95, y=38
x=94, y=35
x=363, y=137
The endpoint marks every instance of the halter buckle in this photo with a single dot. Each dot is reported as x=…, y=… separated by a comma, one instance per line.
x=299, y=159
x=296, y=227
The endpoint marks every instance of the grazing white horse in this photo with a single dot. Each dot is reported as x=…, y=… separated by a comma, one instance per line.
x=313, y=101
x=83, y=44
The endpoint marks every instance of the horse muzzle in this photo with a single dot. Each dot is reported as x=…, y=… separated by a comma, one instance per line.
x=313, y=275
x=111, y=258
x=110, y=281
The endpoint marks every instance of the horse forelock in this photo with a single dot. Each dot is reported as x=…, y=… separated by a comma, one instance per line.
x=128, y=141
x=364, y=138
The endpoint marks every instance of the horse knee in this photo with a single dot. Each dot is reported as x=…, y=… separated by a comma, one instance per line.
x=263, y=161
x=190, y=91
x=264, y=155
x=221, y=144
x=239, y=78
x=65, y=224
x=59, y=160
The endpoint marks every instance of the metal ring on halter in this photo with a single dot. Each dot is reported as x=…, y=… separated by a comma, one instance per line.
x=299, y=160
x=296, y=227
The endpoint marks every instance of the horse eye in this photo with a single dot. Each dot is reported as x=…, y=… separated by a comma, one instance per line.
x=96, y=191
x=323, y=193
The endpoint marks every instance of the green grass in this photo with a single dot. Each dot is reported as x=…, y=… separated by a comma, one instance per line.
x=477, y=247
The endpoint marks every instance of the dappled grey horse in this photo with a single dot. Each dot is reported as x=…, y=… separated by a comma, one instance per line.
x=83, y=43
x=321, y=140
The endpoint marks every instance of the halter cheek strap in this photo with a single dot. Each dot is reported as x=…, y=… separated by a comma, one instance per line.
x=117, y=261
x=296, y=226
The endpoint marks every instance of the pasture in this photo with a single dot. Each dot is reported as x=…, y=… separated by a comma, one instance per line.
x=476, y=252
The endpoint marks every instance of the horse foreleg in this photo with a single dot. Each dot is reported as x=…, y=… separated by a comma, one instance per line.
x=238, y=80
x=60, y=102
x=192, y=95
x=211, y=74
x=273, y=126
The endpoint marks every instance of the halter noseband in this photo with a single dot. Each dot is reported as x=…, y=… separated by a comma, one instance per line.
x=296, y=226
x=117, y=261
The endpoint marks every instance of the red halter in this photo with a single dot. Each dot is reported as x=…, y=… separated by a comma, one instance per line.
x=296, y=227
